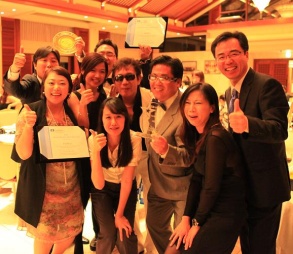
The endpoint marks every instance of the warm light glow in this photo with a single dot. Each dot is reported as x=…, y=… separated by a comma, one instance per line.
x=288, y=53
x=290, y=63
x=261, y=4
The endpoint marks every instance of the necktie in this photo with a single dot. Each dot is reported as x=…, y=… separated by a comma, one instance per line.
x=231, y=103
x=154, y=105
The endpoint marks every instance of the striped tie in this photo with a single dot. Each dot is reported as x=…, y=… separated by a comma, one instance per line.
x=231, y=103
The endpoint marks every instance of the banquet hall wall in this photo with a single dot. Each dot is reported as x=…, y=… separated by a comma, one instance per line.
x=263, y=44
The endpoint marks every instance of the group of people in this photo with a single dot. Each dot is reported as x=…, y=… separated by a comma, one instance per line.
x=216, y=184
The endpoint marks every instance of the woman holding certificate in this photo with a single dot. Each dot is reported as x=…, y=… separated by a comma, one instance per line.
x=49, y=196
x=115, y=152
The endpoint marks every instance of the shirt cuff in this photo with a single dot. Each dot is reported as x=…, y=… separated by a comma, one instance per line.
x=12, y=76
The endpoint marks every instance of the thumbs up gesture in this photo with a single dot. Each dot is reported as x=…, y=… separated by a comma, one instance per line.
x=237, y=120
x=87, y=95
x=79, y=45
x=99, y=140
x=30, y=116
x=18, y=61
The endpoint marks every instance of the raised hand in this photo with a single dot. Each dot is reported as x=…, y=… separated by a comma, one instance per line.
x=87, y=95
x=30, y=116
x=237, y=120
x=79, y=45
x=18, y=61
x=99, y=140
x=145, y=52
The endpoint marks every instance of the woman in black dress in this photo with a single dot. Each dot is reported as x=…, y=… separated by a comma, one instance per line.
x=215, y=207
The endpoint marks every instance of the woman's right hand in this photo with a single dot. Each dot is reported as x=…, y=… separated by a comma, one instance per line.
x=87, y=95
x=180, y=233
x=30, y=117
x=99, y=141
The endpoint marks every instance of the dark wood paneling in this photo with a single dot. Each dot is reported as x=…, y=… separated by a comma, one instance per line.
x=277, y=68
x=10, y=41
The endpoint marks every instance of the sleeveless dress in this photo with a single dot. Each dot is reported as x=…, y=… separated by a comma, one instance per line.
x=62, y=214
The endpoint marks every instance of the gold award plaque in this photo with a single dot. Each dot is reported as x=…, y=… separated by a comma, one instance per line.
x=64, y=42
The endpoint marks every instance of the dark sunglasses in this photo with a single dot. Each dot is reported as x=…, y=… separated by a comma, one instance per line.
x=128, y=77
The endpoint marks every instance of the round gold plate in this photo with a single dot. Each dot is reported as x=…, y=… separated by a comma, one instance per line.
x=64, y=42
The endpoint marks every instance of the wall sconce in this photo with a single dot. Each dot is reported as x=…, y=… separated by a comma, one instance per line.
x=288, y=53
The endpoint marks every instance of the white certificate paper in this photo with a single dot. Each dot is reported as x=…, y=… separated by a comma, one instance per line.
x=62, y=142
x=149, y=31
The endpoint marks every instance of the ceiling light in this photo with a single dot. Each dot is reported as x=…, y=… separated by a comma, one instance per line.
x=13, y=9
x=261, y=4
x=2, y=12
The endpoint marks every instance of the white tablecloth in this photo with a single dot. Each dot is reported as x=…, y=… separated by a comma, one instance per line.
x=285, y=236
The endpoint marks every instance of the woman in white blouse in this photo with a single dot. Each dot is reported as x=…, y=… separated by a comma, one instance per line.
x=115, y=153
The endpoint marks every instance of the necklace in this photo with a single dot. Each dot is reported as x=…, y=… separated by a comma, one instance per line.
x=58, y=124
x=54, y=120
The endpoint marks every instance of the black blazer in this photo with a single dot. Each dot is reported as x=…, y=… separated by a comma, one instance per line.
x=32, y=176
x=28, y=89
x=263, y=101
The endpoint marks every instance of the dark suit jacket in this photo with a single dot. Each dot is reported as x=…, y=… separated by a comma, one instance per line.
x=28, y=89
x=263, y=101
x=32, y=176
x=168, y=179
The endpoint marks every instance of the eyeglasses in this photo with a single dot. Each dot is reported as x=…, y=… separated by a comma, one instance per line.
x=232, y=54
x=128, y=77
x=161, y=79
x=106, y=53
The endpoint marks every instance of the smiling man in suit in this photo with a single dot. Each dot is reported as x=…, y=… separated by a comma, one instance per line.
x=169, y=181
x=258, y=119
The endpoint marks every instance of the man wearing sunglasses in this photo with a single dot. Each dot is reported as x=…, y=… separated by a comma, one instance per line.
x=127, y=79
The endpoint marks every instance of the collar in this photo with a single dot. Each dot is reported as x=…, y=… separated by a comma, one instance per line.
x=169, y=101
x=239, y=83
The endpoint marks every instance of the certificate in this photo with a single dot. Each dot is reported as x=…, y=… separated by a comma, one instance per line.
x=149, y=31
x=61, y=143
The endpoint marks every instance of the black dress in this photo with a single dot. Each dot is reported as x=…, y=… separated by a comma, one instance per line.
x=216, y=196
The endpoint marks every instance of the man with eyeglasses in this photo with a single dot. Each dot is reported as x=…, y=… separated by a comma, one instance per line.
x=169, y=182
x=259, y=124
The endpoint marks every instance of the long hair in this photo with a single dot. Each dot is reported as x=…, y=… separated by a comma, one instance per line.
x=88, y=64
x=125, y=152
x=190, y=136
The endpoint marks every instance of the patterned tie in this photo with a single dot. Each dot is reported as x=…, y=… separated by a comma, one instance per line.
x=231, y=103
x=154, y=105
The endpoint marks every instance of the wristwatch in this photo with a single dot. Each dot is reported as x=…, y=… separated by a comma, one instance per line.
x=194, y=222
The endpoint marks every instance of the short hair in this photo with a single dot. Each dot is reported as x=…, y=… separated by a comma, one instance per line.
x=60, y=71
x=44, y=52
x=109, y=42
x=174, y=63
x=125, y=152
x=124, y=62
x=241, y=37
